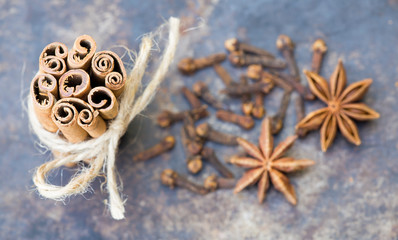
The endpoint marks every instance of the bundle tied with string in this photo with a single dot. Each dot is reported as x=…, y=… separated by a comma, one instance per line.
x=100, y=152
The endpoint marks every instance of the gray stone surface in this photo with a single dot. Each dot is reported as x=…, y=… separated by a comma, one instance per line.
x=351, y=193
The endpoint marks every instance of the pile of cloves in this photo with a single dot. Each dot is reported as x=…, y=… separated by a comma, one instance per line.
x=264, y=72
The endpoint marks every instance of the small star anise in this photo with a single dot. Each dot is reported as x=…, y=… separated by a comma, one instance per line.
x=267, y=161
x=342, y=106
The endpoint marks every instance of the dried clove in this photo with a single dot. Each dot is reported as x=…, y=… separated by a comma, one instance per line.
x=191, y=97
x=258, y=108
x=201, y=90
x=247, y=104
x=300, y=114
x=286, y=46
x=256, y=73
x=163, y=146
x=213, y=183
x=233, y=45
x=209, y=155
x=194, y=144
x=189, y=66
x=173, y=179
x=245, y=122
x=240, y=59
x=205, y=131
x=319, y=48
x=224, y=75
x=192, y=150
x=278, y=118
x=167, y=118
x=238, y=90
x=301, y=89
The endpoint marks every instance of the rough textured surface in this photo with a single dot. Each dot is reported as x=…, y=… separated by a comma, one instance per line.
x=350, y=193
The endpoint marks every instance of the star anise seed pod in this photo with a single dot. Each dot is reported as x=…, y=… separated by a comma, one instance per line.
x=342, y=106
x=268, y=162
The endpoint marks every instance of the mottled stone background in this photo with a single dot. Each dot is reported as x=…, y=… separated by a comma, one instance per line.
x=351, y=193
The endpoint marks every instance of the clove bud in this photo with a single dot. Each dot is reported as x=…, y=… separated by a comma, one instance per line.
x=319, y=48
x=238, y=90
x=173, y=179
x=213, y=183
x=191, y=97
x=240, y=59
x=189, y=66
x=209, y=155
x=201, y=90
x=167, y=118
x=278, y=118
x=233, y=45
x=245, y=122
x=163, y=146
x=205, y=131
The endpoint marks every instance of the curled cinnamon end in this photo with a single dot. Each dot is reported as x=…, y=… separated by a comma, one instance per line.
x=108, y=70
x=104, y=100
x=52, y=59
x=65, y=115
x=74, y=83
x=90, y=120
x=43, y=100
x=82, y=52
x=47, y=83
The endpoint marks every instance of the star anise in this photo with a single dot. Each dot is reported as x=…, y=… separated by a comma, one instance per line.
x=268, y=161
x=342, y=106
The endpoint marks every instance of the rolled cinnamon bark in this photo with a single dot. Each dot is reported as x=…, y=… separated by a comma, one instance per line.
x=52, y=59
x=115, y=82
x=43, y=100
x=82, y=52
x=103, y=99
x=47, y=84
x=108, y=70
x=65, y=115
x=74, y=83
x=92, y=122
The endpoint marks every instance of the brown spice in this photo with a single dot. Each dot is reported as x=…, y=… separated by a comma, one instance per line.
x=189, y=66
x=245, y=122
x=342, y=106
x=266, y=163
x=258, y=108
x=240, y=59
x=237, y=90
x=209, y=155
x=213, y=183
x=247, y=103
x=233, y=45
x=191, y=97
x=163, y=146
x=319, y=49
x=192, y=150
x=279, y=117
x=173, y=179
x=206, y=132
x=201, y=90
x=167, y=118
x=224, y=75
x=286, y=46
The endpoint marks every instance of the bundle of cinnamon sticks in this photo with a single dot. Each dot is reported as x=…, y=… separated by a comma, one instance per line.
x=76, y=91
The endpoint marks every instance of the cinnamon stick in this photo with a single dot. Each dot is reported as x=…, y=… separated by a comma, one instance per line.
x=81, y=53
x=43, y=99
x=74, y=83
x=108, y=70
x=65, y=115
x=52, y=59
x=103, y=99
